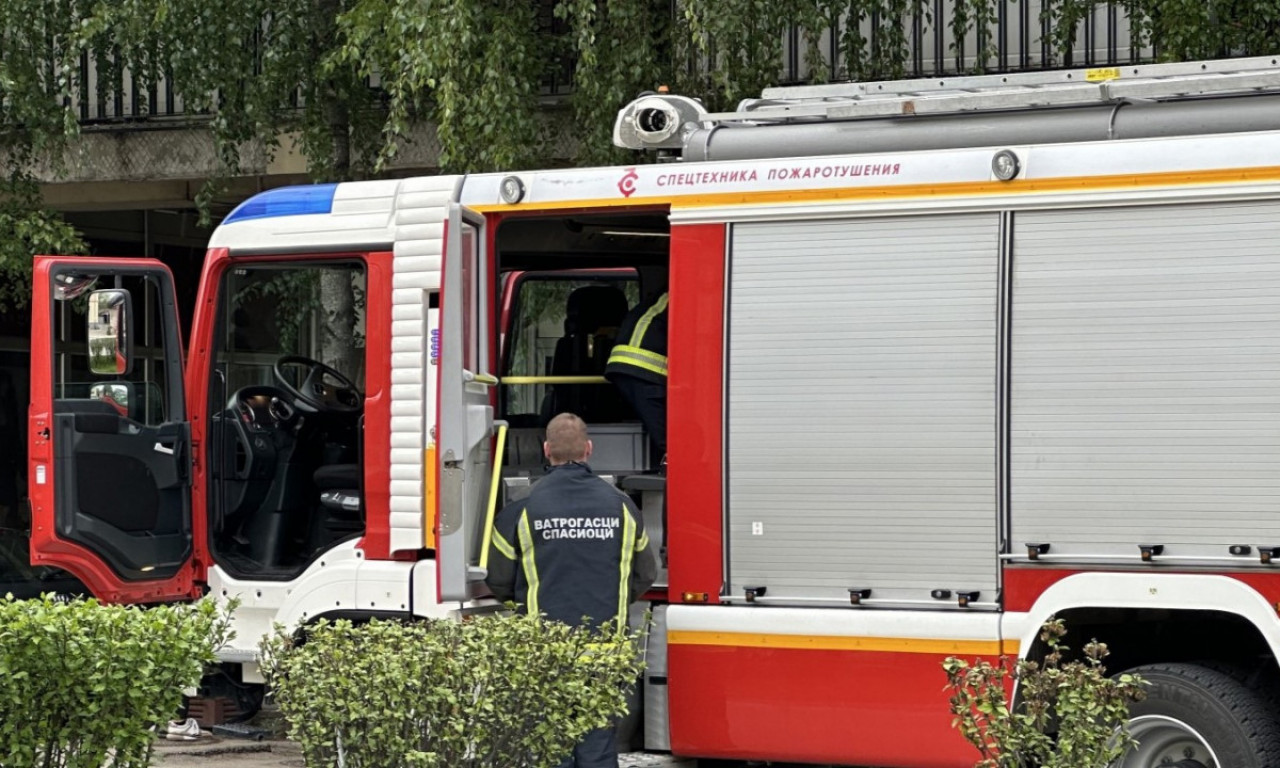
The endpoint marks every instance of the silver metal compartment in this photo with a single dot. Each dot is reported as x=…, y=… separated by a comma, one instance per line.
x=862, y=375
x=1146, y=380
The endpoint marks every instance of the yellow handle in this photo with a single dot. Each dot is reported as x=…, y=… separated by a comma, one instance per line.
x=429, y=470
x=493, y=497
x=554, y=380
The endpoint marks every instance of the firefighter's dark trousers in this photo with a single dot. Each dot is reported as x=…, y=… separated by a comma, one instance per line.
x=598, y=749
x=649, y=401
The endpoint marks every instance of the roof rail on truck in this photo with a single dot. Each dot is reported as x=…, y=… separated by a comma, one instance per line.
x=676, y=123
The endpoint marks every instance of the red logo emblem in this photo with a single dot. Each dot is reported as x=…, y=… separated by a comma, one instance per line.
x=627, y=184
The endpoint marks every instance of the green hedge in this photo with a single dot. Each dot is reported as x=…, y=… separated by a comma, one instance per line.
x=82, y=685
x=494, y=692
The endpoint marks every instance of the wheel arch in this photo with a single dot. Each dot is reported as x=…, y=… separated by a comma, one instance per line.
x=1192, y=616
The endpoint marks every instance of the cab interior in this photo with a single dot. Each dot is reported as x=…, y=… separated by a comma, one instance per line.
x=286, y=397
x=287, y=411
x=566, y=283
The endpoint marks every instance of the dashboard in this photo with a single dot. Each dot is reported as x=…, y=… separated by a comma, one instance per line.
x=261, y=410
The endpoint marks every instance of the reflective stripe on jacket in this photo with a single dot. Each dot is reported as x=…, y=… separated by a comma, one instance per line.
x=641, y=350
x=574, y=550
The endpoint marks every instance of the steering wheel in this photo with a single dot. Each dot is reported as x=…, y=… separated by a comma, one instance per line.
x=256, y=430
x=315, y=393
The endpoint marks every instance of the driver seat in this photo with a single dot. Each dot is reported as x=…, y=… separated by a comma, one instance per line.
x=340, y=499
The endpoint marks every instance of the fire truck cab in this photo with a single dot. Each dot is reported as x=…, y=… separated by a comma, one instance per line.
x=947, y=358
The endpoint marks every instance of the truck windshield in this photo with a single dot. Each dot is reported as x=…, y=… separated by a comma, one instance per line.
x=270, y=311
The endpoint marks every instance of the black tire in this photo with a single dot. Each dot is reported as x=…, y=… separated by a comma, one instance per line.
x=1261, y=677
x=1227, y=718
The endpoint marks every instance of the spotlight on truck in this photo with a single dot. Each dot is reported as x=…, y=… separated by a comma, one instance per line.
x=656, y=121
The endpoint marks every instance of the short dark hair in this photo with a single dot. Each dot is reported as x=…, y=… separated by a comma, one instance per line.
x=566, y=439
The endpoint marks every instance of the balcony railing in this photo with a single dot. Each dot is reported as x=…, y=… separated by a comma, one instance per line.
x=1019, y=39
x=109, y=93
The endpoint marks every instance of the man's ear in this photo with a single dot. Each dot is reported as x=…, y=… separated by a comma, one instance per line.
x=587, y=455
x=546, y=450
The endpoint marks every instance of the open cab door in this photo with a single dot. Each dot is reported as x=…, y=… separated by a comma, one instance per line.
x=465, y=413
x=109, y=441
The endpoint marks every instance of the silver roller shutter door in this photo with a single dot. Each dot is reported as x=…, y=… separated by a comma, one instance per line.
x=1146, y=379
x=861, y=406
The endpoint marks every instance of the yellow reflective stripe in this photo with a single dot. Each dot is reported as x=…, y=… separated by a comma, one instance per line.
x=660, y=370
x=624, y=566
x=940, y=647
x=643, y=541
x=625, y=357
x=530, y=565
x=503, y=546
x=630, y=350
x=659, y=306
x=924, y=190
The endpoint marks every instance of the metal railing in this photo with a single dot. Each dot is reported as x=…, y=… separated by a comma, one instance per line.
x=110, y=93
x=1020, y=39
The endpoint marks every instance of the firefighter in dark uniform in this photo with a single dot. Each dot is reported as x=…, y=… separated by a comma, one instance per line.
x=574, y=550
x=638, y=367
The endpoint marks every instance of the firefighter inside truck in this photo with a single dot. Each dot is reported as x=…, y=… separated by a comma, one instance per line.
x=287, y=403
x=566, y=282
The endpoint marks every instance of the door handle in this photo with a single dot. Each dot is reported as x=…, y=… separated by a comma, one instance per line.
x=167, y=450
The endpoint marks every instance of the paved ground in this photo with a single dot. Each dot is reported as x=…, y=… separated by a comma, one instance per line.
x=228, y=753
x=220, y=752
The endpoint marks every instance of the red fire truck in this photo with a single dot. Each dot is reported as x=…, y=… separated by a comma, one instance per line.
x=947, y=358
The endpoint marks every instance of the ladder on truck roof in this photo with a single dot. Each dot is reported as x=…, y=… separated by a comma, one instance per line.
x=1019, y=90
x=680, y=125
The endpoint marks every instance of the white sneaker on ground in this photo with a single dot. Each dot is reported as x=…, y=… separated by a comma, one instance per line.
x=183, y=730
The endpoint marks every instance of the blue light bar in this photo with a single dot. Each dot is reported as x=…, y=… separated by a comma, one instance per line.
x=285, y=201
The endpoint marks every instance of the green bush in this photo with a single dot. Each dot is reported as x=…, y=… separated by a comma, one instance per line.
x=1070, y=714
x=83, y=684
x=495, y=692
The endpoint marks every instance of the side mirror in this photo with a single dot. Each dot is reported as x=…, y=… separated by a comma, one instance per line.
x=67, y=286
x=110, y=339
x=117, y=394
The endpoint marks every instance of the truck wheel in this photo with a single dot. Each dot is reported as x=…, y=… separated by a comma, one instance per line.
x=1194, y=717
x=1261, y=677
